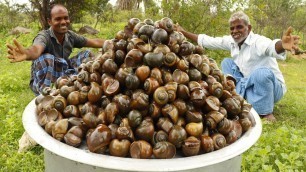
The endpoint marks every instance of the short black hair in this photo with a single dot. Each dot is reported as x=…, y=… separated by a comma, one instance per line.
x=51, y=6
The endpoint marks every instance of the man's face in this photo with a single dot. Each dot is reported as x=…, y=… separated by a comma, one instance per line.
x=239, y=30
x=59, y=20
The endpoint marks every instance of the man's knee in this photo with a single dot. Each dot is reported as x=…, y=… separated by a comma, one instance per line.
x=226, y=62
x=262, y=75
x=46, y=59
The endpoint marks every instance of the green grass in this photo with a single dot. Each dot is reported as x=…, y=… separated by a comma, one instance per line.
x=281, y=146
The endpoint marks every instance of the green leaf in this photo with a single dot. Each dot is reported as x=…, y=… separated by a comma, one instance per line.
x=285, y=156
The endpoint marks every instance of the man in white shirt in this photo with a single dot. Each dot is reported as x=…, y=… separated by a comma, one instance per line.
x=253, y=63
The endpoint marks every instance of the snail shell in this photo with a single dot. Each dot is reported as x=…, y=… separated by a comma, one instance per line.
x=60, y=129
x=181, y=106
x=94, y=93
x=164, y=150
x=133, y=58
x=137, y=27
x=182, y=65
x=159, y=136
x=167, y=76
x=123, y=102
x=245, y=123
x=90, y=119
x=171, y=88
x=232, y=106
x=132, y=22
x=198, y=98
x=170, y=59
x=161, y=96
x=145, y=32
x=167, y=24
x=191, y=146
x=216, y=89
x=122, y=73
x=74, y=136
x=195, y=60
x=45, y=117
x=143, y=72
x=183, y=92
x=154, y=110
x=74, y=98
x=99, y=138
x=164, y=124
x=150, y=85
x=207, y=142
x=132, y=82
x=125, y=132
x=194, y=129
x=59, y=103
x=180, y=77
x=119, y=148
x=149, y=22
x=65, y=90
x=212, y=104
x=225, y=126
x=170, y=111
x=193, y=116
x=141, y=150
x=153, y=59
x=71, y=111
x=134, y=118
x=110, y=67
x=160, y=36
x=218, y=140
x=145, y=130
x=177, y=135
x=157, y=74
x=186, y=48
x=213, y=118
x=111, y=111
x=139, y=100
x=194, y=74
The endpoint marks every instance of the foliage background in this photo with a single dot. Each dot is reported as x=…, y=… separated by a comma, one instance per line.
x=281, y=146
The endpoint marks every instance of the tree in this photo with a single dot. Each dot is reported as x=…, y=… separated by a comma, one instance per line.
x=42, y=7
x=99, y=10
x=76, y=9
x=150, y=7
x=13, y=14
x=127, y=4
x=273, y=17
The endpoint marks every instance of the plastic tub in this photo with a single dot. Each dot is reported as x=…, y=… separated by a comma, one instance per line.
x=60, y=157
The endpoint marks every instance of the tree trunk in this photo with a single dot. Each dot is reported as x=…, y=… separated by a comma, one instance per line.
x=43, y=11
x=126, y=4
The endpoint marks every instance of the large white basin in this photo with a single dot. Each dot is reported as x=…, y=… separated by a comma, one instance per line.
x=62, y=157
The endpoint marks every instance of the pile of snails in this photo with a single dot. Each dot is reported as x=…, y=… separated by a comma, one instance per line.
x=148, y=94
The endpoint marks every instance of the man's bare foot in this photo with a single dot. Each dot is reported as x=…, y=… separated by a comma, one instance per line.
x=269, y=117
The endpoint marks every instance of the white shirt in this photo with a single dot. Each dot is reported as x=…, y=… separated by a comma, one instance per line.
x=256, y=51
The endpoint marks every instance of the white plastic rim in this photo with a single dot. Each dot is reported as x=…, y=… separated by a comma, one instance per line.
x=36, y=132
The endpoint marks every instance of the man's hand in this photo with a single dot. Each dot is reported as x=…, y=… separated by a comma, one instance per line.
x=290, y=42
x=178, y=28
x=17, y=53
